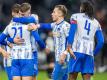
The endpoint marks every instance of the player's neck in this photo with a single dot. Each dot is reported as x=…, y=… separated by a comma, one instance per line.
x=59, y=20
x=15, y=15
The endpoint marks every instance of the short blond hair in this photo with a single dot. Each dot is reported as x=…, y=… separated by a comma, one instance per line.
x=25, y=7
x=62, y=8
x=16, y=8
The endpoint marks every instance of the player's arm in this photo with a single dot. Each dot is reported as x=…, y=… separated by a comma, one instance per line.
x=4, y=53
x=4, y=35
x=70, y=32
x=16, y=40
x=25, y=20
x=45, y=26
x=100, y=41
x=5, y=41
x=38, y=39
x=2, y=39
x=41, y=26
x=11, y=40
x=70, y=38
x=31, y=19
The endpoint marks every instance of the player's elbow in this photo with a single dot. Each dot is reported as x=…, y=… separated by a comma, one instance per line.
x=101, y=43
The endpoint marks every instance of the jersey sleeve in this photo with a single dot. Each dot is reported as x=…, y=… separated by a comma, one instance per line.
x=99, y=27
x=35, y=16
x=100, y=41
x=25, y=20
x=11, y=40
x=73, y=28
x=45, y=26
x=73, y=18
x=38, y=39
x=3, y=36
x=5, y=31
x=99, y=38
x=3, y=42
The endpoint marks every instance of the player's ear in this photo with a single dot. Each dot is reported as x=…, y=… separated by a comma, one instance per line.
x=60, y=14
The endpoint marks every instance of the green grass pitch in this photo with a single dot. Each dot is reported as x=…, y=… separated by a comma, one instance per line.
x=43, y=76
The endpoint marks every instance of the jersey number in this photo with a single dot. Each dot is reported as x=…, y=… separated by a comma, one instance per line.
x=87, y=27
x=15, y=31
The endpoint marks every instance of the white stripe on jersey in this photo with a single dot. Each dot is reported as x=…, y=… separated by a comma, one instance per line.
x=7, y=61
x=22, y=52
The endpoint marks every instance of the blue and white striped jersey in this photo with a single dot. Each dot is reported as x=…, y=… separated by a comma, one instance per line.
x=33, y=42
x=60, y=33
x=23, y=51
x=7, y=61
x=85, y=33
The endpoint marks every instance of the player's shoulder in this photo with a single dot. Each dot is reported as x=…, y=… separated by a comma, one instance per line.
x=53, y=23
x=35, y=16
x=66, y=25
x=77, y=14
x=10, y=24
x=96, y=21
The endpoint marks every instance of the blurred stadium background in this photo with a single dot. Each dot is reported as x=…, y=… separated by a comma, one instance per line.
x=44, y=8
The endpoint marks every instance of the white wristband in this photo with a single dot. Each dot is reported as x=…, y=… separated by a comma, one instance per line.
x=65, y=52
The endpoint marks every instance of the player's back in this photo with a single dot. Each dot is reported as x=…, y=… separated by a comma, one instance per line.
x=22, y=51
x=19, y=30
x=86, y=26
x=84, y=36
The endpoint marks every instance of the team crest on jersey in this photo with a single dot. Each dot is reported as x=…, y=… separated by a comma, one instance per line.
x=56, y=34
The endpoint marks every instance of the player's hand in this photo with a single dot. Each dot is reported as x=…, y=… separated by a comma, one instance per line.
x=18, y=40
x=5, y=54
x=32, y=27
x=63, y=57
x=10, y=45
x=47, y=51
x=72, y=54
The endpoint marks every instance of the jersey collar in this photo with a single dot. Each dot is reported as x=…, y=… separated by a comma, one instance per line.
x=60, y=22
